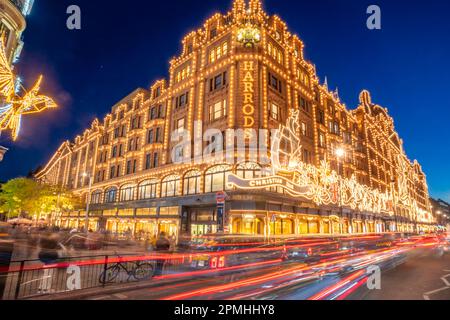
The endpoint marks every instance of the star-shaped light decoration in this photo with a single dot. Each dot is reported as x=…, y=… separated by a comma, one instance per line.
x=15, y=106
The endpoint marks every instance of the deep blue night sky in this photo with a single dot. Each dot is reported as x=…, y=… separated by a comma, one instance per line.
x=406, y=65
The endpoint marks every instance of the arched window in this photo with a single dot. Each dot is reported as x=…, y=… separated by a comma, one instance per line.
x=216, y=178
x=248, y=170
x=111, y=195
x=170, y=186
x=148, y=189
x=127, y=193
x=96, y=197
x=192, y=182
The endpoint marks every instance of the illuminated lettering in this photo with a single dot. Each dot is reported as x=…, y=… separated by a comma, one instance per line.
x=248, y=93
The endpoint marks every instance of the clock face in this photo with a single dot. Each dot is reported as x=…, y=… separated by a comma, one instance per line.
x=249, y=36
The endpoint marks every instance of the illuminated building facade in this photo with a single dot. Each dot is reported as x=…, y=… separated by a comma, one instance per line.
x=13, y=24
x=243, y=70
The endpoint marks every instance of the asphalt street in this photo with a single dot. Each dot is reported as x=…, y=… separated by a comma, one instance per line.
x=422, y=277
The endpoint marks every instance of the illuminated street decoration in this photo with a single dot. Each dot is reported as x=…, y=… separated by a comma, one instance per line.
x=249, y=36
x=7, y=82
x=320, y=184
x=16, y=106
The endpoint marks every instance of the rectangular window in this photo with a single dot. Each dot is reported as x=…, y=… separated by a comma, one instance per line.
x=304, y=129
x=179, y=154
x=131, y=144
x=137, y=144
x=168, y=211
x=218, y=82
x=158, y=135
x=128, y=166
x=153, y=113
x=213, y=33
x=304, y=104
x=182, y=100
x=148, y=161
x=180, y=125
x=146, y=212
x=274, y=111
x=218, y=111
x=218, y=52
x=150, y=136
x=321, y=117
x=321, y=140
x=306, y=156
x=112, y=172
x=155, y=160
x=157, y=92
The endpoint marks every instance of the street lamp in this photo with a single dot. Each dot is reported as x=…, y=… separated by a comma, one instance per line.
x=88, y=201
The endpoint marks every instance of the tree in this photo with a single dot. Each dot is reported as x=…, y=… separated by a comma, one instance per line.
x=21, y=196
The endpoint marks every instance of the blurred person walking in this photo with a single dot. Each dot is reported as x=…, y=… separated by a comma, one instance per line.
x=49, y=246
x=162, y=245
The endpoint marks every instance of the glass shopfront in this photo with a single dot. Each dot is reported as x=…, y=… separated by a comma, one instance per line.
x=345, y=227
x=248, y=224
x=201, y=229
x=326, y=226
x=303, y=226
x=282, y=227
x=313, y=226
x=358, y=227
x=202, y=221
x=146, y=229
x=169, y=227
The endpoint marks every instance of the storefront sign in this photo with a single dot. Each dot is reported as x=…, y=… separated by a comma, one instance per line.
x=263, y=183
x=220, y=197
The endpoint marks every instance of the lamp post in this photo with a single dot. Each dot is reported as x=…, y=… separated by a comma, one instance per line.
x=88, y=202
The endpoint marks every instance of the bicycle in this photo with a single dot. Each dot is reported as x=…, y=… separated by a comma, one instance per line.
x=139, y=271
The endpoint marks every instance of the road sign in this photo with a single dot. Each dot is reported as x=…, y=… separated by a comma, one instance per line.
x=220, y=197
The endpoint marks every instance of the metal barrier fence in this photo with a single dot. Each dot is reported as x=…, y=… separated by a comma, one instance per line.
x=31, y=278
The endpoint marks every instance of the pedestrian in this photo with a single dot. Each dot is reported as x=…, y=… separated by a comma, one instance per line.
x=48, y=254
x=162, y=245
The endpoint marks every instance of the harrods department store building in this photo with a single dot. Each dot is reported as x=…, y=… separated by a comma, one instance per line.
x=242, y=70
